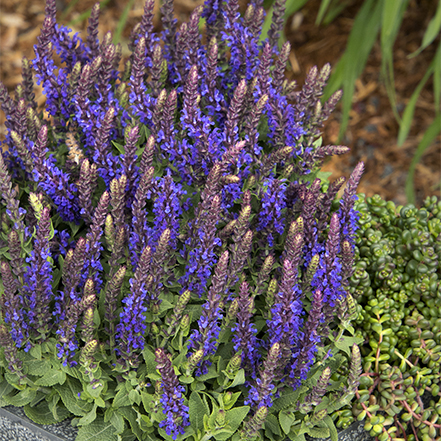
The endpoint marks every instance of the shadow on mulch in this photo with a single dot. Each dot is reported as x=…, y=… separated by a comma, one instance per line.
x=372, y=129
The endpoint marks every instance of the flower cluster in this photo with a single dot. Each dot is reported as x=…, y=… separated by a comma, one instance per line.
x=186, y=220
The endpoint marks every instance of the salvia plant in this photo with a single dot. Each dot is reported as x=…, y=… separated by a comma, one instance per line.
x=172, y=263
x=396, y=283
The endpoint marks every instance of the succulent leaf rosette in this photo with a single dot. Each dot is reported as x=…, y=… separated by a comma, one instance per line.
x=172, y=263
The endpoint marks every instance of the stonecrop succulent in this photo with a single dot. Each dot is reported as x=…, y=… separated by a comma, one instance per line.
x=396, y=284
x=171, y=260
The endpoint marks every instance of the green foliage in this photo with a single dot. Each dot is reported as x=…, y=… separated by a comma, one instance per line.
x=397, y=286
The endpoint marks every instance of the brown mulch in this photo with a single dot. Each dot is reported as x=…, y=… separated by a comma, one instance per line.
x=372, y=129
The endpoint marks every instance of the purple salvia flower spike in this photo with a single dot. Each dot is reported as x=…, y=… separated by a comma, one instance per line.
x=156, y=83
x=102, y=149
x=169, y=29
x=177, y=416
x=277, y=23
x=240, y=253
x=6, y=102
x=264, y=275
x=261, y=394
x=146, y=28
x=113, y=289
x=205, y=339
x=308, y=344
x=214, y=19
x=347, y=215
x=12, y=307
x=28, y=83
x=255, y=423
x=9, y=196
x=92, y=31
x=131, y=329
x=333, y=242
x=280, y=66
x=39, y=277
x=257, y=22
x=118, y=200
x=22, y=149
x=17, y=262
x=147, y=156
x=130, y=168
x=234, y=113
x=326, y=202
x=263, y=72
x=158, y=113
x=86, y=187
x=317, y=393
x=244, y=331
x=347, y=261
x=193, y=36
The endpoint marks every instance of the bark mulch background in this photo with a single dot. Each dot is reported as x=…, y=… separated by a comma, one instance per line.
x=372, y=129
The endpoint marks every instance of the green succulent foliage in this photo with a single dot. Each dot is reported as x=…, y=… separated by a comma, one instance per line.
x=396, y=283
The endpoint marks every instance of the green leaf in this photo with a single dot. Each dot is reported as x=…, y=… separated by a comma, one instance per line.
x=431, y=133
x=149, y=358
x=118, y=422
x=121, y=398
x=321, y=12
x=432, y=31
x=5, y=389
x=130, y=415
x=89, y=417
x=41, y=414
x=361, y=40
x=97, y=431
x=122, y=22
x=331, y=426
x=318, y=432
x=286, y=400
x=134, y=397
x=234, y=417
x=272, y=424
x=345, y=343
x=69, y=395
x=286, y=421
x=51, y=377
x=406, y=120
x=197, y=410
x=22, y=398
x=35, y=351
x=238, y=379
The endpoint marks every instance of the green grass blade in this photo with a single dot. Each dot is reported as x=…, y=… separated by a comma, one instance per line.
x=432, y=31
x=85, y=15
x=324, y=5
x=363, y=35
x=292, y=6
x=437, y=82
x=406, y=120
x=391, y=21
x=122, y=22
x=433, y=130
x=335, y=11
x=69, y=8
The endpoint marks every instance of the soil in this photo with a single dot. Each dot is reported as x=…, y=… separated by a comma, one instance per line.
x=372, y=129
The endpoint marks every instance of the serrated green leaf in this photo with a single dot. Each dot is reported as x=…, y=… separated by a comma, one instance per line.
x=134, y=397
x=331, y=426
x=89, y=417
x=22, y=398
x=149, y=358
x=51, y=377
x=97, y=431
x=286, y=421
x=42, y=414
x=118, y=422
x=238, y=379
x=121, y=398
x=5, y=389
x=318, y=432
x=345, y=343
x=234, y=417
x=272, y=424
x=286, y=400
x=197, y=410
x=35, y=351
x=130, y=415
x=69, y=395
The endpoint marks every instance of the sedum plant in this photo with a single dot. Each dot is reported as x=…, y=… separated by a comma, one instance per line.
x=171, y=258
x=397, y=286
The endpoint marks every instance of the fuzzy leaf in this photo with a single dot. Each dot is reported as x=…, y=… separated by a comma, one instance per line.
x=69, y=395
x=51, y=377
x=272, y=424
x=197, y=410
x=97, y=431
x=5, y=388
x=318, y=432
x=286, y=421
x=88, y=418
x=286, y=400
x=234, y=417
x=121, y=399
x=42, y=414
x=331, y=426
x=345, y=343
x=130, y=415
x=22, y=398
